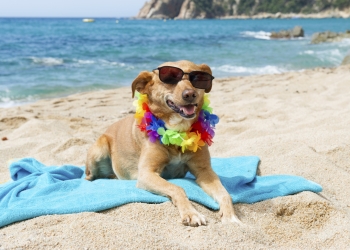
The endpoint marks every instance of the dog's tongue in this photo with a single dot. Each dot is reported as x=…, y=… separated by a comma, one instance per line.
x=188, y=109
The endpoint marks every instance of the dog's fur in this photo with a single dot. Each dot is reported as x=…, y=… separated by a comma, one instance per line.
x=124, y=152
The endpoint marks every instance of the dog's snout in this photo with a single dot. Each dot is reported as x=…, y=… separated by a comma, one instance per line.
x=189, y=95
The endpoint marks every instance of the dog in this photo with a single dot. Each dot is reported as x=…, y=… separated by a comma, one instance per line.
x=175, y=94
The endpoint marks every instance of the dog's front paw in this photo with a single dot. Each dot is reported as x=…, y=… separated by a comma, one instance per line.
x=193, y=219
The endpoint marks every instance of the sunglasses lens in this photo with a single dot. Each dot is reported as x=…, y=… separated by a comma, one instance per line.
x=170, y=75
x=201, y=80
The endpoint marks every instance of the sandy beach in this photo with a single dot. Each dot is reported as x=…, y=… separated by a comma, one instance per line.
x=296, y=122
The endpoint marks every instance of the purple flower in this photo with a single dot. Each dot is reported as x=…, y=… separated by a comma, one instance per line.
x=208, y=122
x=153, y=136
x=153, y=126
x=148, y=115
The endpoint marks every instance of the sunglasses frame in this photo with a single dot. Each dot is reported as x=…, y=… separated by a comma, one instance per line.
x=189, y=73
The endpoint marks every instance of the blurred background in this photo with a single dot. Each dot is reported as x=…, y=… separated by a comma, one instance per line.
x=57, y=48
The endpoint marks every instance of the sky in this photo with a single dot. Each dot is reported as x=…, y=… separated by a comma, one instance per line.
x=70, y=8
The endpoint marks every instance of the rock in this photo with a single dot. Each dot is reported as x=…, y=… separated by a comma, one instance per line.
x=321, y=37
x=145, y=10
x=161, y=9
x=297, y=31
x=188, y=10
x=346, y=60
x=180, y=9
x=328, y=36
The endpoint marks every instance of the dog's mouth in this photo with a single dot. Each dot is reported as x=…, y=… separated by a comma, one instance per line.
x=186, y=111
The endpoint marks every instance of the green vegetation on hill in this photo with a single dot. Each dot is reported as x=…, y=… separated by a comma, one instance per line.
x=342, y=4
x=224, y=8
x=246, y=7
x=290, y=6
x=215, y=8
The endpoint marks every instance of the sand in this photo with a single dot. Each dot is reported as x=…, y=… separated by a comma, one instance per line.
x=298, y=123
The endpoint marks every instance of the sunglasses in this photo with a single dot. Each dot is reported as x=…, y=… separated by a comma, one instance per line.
x=198, y=79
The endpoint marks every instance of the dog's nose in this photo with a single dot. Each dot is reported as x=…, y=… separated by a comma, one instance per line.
x=189, y=95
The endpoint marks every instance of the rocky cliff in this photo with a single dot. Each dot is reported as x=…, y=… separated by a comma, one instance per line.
x=188, y=9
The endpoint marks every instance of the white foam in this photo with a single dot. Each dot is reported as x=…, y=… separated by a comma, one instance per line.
x=333, y=56
x=106, y=62
x=49, y=61
x=84, y=61
x=269, y=69
x=345, y=42
x=115, y=64
x=257, y=34
x=307, y=52
x=7, y=102
x=99, y=61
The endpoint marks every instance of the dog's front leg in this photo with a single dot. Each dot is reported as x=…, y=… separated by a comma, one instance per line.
x=208, y=180
x=150, y=167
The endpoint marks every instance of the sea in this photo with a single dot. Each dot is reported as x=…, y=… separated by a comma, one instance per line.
x=42, y=58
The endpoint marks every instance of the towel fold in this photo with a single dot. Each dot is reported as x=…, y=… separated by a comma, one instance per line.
x=40, y=190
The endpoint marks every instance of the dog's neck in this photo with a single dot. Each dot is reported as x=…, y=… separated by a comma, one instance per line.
x=177, y=123
x=181, y=132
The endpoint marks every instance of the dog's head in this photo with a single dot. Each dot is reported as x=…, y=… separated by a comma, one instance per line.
x=177, y=104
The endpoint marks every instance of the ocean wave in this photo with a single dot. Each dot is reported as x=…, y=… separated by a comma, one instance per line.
x=80, y=61
x=103, y=62
x=240, y=70
x=7, y=102
x=48, y=61
x=106, y=62
x=52, y=61
x=345, y=43
x=307, y=52
x=257, y=34
x=334, y=56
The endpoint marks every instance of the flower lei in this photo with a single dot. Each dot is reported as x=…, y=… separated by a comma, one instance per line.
x=201, y=132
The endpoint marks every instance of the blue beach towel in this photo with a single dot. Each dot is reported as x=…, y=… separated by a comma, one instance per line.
x=40, y=190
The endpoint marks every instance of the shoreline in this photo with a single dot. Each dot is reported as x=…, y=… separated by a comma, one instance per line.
x=296, y=122
x=279, y=15
x=24, y=103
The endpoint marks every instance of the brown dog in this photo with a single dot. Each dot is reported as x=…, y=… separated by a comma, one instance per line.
x=124, y=152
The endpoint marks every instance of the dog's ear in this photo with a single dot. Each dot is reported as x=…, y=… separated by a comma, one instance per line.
x=207, y=69
x=141, y=81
